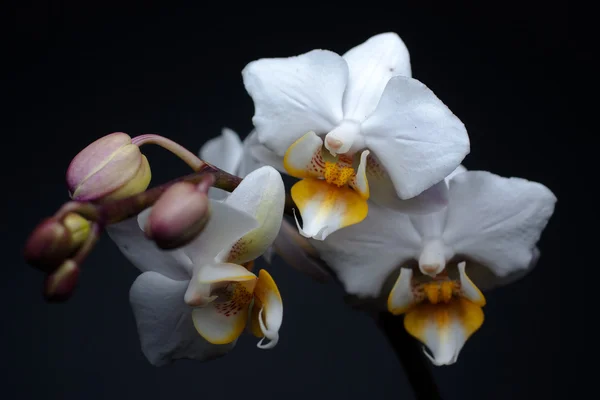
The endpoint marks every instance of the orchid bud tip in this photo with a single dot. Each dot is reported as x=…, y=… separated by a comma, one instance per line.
x=47, y=246
x=110, y=168
x=178, y=216
x=59, y=285
x=53, y=241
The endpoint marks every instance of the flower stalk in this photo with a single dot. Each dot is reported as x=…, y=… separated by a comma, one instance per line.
x=408, y=350
x=184, y=154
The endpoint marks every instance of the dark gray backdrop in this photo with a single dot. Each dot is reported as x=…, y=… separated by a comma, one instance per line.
x=78, y=72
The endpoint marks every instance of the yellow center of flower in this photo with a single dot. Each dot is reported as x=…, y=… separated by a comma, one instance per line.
x=443, y=291
x=337, y=174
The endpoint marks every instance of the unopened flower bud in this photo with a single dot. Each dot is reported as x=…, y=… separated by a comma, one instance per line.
x=178, y=216
x=53, y=241
x=61, y=283
x=108, y=169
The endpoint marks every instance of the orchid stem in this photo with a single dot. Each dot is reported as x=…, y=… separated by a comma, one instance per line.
x=102, y=214
x=409, y=353
x=184, y=154
x=120, y=210
x=416, y=366
x=228, y=183
x=88, y=245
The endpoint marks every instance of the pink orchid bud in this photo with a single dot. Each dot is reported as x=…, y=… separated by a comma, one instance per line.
x=178, y=216
x=61, y=283
x=110, y=168
x=53, y=241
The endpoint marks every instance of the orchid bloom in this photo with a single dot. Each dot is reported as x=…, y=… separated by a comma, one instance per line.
x=332, y=194
x=361, y=104
x=238, y=157
x=195, y=301
x=489, y=229
x=230, y=154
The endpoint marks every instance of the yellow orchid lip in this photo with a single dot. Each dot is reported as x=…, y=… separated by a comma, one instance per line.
x=332, y=193
x=267, y=311
x=440, y=312
x=304, y=159
x=233, y=294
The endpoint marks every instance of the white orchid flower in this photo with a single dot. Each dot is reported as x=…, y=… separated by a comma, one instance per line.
x=491, y=223
x=195, y=301
x=239, y=157
x=230, y=154
x=401, y=139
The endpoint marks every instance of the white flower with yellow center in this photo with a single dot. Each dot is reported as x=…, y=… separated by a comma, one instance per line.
x=489, y=230
x=229, y=153
x=333, y=191
x=362, y=101
x=195, y=301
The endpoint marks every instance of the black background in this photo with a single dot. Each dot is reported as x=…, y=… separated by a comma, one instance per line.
x=77, y=72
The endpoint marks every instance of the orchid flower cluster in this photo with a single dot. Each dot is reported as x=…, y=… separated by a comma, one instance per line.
x=382, y=202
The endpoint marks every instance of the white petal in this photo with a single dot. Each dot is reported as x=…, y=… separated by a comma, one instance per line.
x=486, y=280
x=430, y=225
x=497, y=221
x=261, y=194
x=181, y=257
x=256, y=155
x=415, y=136
x=295, y=95
x=256, y=188
x=371, y=65
x=224, y=152
x=459, y=170
x=144, y=253
x=227, y=224
x=264, y=156
x=363, y=255
x=401, y=297
x=164, y=322
x=383, y=192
